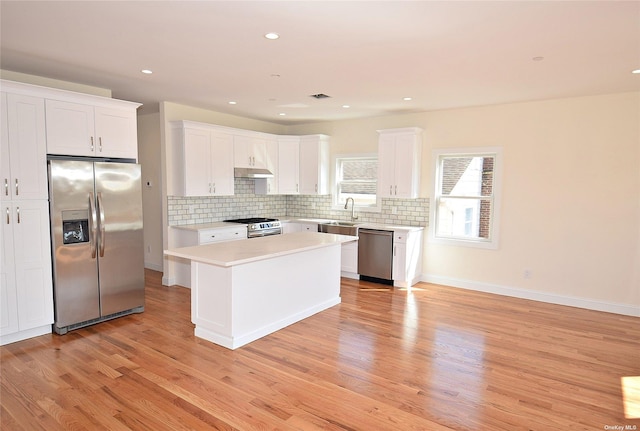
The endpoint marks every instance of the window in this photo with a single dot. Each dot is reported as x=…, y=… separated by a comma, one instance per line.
x=465, y=203
x=357, y=178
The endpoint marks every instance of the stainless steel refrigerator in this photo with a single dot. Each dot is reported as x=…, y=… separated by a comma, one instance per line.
x=97, y=242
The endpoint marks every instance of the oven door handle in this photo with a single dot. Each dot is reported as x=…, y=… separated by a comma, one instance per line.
x=264, y=232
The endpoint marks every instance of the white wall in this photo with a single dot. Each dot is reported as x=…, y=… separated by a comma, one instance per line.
x=149, y=157
x=570, y=212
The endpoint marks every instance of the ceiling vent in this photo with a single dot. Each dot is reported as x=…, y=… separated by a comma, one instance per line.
x=320, y=96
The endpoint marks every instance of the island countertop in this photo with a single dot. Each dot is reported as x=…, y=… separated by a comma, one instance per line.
x=233, y=253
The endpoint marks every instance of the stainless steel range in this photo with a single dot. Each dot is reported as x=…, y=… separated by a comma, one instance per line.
x=258, y=226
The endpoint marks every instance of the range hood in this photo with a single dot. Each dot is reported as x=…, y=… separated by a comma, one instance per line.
x=252, y=173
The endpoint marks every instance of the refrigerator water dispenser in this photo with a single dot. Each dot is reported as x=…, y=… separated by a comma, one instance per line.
x=75, y=226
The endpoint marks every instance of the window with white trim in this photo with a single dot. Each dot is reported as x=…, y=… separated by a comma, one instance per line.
x=356, y=177
x=466, y=197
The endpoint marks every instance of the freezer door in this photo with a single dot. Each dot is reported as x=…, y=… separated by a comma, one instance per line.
x=120, y=244
x=75, y=266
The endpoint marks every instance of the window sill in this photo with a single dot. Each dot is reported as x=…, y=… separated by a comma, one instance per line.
x=459, y=242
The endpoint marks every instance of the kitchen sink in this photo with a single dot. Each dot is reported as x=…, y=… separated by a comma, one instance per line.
x=339, y=227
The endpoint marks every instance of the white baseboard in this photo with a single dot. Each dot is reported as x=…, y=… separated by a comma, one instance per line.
x=153, y=266
x=351, y=275
x=572, y=301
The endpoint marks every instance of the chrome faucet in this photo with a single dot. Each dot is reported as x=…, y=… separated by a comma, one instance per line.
x=353, y=204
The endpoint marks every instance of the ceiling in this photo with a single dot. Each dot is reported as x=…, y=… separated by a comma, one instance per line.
x=368, y=55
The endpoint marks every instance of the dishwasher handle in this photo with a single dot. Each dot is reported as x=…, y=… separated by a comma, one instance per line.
x=376, y=232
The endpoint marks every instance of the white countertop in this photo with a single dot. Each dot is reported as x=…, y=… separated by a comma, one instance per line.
x=366, y=225
x=233, y=253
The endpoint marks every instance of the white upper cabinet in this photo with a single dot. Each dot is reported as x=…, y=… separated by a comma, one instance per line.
x=399, y=159
x=222, y=163
x=314, y=165
x=299, y=164
x=288, y=165
x=203, y=161
x=23, y=155
x=249, y=151
x=80, y=129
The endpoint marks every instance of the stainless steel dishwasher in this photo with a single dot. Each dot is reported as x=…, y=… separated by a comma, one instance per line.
x=375, y=255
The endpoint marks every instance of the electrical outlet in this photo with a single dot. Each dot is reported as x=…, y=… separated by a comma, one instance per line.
x=394, y=210
x=527, y=274
x=192, y=209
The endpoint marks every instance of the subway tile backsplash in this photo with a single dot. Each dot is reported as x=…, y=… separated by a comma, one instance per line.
x=245, y=203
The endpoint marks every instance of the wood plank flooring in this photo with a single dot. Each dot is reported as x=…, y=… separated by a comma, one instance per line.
x=435, y=358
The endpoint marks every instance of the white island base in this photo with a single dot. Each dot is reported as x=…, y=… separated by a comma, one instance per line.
x=261, y=285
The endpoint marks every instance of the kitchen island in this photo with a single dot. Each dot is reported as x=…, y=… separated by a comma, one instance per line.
x=244, y=290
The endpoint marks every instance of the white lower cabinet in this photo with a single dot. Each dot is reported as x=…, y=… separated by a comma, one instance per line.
x=349, y=260
x=298, y=226
x=407, y=257
x=187, y=237
x=26, y=286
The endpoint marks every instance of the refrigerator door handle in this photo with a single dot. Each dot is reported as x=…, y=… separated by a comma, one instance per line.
x=101, y=241
x=94, y=226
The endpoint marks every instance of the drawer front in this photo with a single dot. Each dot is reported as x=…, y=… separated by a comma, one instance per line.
x=217, y=235
x=399, y=236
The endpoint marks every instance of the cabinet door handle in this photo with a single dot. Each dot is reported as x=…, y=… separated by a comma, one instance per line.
x=316, y=188
x=396, y=192
x=92, y=147
x=214, y=188
x=100, y=143
x=8, y=219
x=17, y=188
x=18, y=213
x=6, y=187
x=390, y=190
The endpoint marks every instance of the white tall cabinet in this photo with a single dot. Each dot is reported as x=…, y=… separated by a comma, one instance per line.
x=399, y=158
x=26, y=291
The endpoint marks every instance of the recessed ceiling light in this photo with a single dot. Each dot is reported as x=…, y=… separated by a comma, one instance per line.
x=232, y=102
x=282, y=114
x=637, y=71
x=272, y=36
x=346, y=106
x=406, y=99
x=147, y=71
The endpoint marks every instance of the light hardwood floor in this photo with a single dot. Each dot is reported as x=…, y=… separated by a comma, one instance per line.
x=437, y=358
